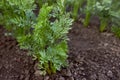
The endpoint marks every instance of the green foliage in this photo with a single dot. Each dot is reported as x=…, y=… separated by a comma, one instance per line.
x=45, y=39
x=115, y=18
x=103, y=9
x=88, y=11
x=116, y=31
x=76, y=6
x=48, y=41
x=108, y=11
x=51, y=39
x=116, y=23
x=115, y=13
x=103, y=24
x=42, y=2
x=17, y=15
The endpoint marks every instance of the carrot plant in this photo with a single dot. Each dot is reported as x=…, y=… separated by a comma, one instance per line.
x=76, y=6
x=44, y=38
x=48, y=41
x=108, y=11
x=88, y=11
x=115, y=13
x=17, y=16
x=42, y=2
x=115, y=27
x=103, y=9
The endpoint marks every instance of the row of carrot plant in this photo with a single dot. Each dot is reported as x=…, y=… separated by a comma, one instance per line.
x=41, y=26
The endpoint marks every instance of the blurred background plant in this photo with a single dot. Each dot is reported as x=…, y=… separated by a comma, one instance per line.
x=102, y=9
x=89, y=10
x=17, y=16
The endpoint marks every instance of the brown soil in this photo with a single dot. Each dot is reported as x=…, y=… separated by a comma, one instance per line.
x=92, y=56
x=15, y=64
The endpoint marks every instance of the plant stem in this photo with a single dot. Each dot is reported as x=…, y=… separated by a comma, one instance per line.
x=76, y=6
x=87, y=19
x=103, y=24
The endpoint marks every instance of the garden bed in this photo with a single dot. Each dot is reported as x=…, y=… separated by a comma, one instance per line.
x=92, y=56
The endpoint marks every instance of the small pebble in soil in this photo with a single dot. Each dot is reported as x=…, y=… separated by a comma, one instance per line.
x=46, y=78
x=81, y=68
x=102, y=77
x=93, y=77
x=110, y=73
x=83, y=74
x=61, y=78
x=37, y=73
x=75, y=73
x=105, y=44
x=27, y=77
x=21, y=77
x=68, y=73
x=71, y=78
x=84, y=79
